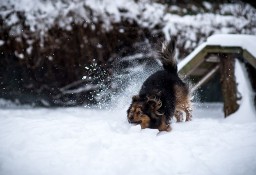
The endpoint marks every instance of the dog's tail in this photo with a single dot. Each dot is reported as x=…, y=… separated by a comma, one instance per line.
x=167, y=56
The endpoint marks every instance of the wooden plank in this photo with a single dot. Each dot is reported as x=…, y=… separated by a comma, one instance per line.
x=213, y=58
x=193, y=64
x=203, y=68
x=207, y=77
x=251, y=59
x=228, y=84
x=219, y=49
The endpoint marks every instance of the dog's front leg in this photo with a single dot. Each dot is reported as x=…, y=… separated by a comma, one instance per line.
x=188, y=112
x=164, y=126
x=145, y=120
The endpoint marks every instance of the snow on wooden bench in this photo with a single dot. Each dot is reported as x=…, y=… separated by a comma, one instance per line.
x=218, y=54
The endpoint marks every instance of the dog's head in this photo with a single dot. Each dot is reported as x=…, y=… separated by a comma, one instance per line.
x=136, y=114
x=145, y=111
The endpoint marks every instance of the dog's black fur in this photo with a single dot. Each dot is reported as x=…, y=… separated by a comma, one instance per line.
x=161, y=86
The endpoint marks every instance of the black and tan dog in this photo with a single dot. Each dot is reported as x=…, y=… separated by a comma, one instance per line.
x=162, y=96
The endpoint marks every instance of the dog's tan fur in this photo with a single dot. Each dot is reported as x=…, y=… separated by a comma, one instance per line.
x=137, y=117
x=183, y=103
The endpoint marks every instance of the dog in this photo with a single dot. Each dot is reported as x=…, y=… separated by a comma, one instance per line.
x=162, y=95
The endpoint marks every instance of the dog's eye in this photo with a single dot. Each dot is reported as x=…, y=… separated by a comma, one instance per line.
x=139, y=112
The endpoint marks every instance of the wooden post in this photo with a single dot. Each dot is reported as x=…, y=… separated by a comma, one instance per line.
x=228, y=83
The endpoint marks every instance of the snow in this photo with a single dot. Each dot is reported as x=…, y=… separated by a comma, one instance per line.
x=207, y=5
x=205, y=24
x=87, y=141
x=19, y=55
x=1, y=43
x=244, y=41
x=41, y=15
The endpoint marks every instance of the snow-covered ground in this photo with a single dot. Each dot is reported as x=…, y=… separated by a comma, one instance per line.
x=82, y=141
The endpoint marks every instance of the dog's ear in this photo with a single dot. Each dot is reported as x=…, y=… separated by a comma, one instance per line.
x=135, y=98
x=155, y=104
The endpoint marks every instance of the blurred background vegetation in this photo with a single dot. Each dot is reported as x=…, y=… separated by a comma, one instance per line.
x=67, y=53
